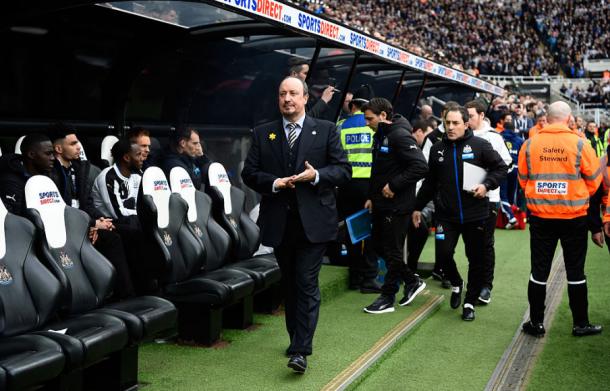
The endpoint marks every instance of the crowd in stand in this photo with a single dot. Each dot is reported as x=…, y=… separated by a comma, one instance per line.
x=574, y=29
x=491, y=38
x=597, y=92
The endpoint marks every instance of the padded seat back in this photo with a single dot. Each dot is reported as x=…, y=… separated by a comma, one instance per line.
x=18, y=145
x=86, y=276
x=229, y=210
x=105, y=154
x=29, y=294
x=164, y=216
x=215, y=240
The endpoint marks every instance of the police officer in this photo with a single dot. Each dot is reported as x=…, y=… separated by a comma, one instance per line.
x=559, y=172
x=458, y=211
x=398, y=164
x=357, y=141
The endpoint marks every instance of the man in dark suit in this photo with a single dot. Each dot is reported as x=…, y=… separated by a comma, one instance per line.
x=295, y=163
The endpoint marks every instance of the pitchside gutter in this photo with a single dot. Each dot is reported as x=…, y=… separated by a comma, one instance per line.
x=302, y=21
x=515, y=366
x=366, y=360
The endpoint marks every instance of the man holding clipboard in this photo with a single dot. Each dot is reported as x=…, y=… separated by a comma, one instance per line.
x=462, y=169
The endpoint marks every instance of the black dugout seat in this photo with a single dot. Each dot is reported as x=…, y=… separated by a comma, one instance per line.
x=228, y=204
x=200, y=291
x=215, y=239
x=29, y=296
x=87, y=277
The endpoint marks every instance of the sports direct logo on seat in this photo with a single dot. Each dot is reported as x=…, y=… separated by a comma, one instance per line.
x=186, y=183
x=160, y=185
x=223, y=177
x=49, y=197
x=547, y=187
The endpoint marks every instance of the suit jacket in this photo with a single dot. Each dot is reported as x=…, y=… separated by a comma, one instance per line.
x=319, y=144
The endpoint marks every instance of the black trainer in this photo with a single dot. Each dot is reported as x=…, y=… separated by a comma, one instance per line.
x=446, y=284
x=468, y=313
x=535, y=329
x=456, y=296
x=588, y=329
x=485, y=295
x=382, y=305
x=437, y=275
x=411, y=291
x=297, y=363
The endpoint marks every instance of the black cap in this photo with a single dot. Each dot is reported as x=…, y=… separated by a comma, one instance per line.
x=363, y=94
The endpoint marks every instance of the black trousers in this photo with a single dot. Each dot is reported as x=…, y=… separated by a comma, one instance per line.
x=110, y=245
x=361, y=259
x=544, y=235
x=416, y=241
x=473, y=234
x=389, y=233
x=490, y=253
x=300, y=262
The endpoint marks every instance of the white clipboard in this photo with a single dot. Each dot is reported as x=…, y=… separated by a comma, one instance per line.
x=473, y=175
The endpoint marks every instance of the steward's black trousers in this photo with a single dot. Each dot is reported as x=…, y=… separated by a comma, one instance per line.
x=544, y=235
x=389, y=232
x=473, y=234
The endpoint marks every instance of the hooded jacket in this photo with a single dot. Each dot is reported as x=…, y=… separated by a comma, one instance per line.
x=13, y=177
x=397, y=161
x=446, y=175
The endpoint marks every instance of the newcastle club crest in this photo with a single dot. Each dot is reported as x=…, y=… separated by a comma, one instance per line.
x=167, y=239
x=65, y=260
x=5, y=276
x=197, y=230
x=232, y=221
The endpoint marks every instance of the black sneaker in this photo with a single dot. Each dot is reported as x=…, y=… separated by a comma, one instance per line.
x=468, y=313
x=535, y=329
x=437, y=275
x=588, y=329
x=446, y=284
x=382, y=305
x=485, y=295
x=456, y=296
x=411, y=291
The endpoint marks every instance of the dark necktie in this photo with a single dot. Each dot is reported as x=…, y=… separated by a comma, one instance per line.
x=292, y=134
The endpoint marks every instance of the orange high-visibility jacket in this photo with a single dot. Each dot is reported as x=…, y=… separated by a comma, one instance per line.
x=559, y=172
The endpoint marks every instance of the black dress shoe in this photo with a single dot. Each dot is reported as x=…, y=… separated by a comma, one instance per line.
x=456, y=296
x=468, y=314
x=534, y=329
x=588, y=329
x=298, y=363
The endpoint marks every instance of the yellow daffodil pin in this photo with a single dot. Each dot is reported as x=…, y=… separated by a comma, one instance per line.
x=272, y=136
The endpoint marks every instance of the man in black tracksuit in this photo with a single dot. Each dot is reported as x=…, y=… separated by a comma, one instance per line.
x=397, y=166
x=460, y=211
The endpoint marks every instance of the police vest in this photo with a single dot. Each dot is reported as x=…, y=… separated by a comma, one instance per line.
x=357, y=141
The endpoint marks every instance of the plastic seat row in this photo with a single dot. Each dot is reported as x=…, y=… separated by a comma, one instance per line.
x=203, y=274
x=55, y=328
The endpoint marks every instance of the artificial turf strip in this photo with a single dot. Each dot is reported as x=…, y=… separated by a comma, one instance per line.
x=570, y=363
x=446, y=353
x=254, y=360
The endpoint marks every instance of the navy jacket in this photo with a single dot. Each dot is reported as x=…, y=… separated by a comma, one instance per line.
x=445, y=178
x=318, y=144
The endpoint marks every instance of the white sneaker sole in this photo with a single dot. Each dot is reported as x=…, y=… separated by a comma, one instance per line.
x=383, y=311
x=417, y=292
x=485, y=301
